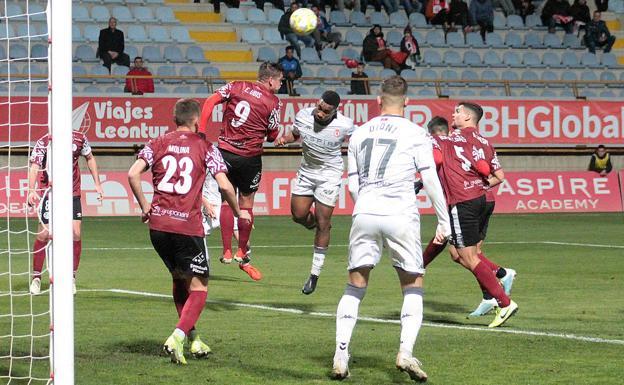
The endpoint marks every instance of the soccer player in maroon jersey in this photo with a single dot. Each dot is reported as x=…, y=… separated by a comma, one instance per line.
x=251, y=114
x=464, y=165
x=38, y=184
x=179, y=161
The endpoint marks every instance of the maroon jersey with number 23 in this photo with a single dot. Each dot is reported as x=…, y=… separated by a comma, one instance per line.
x=251, y=113
x=179, y=161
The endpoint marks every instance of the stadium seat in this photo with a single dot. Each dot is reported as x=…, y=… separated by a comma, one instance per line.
x=164, y=14
x=173, y=54
x=6, y=31
x=609, y=60
x=427, y=92
x=152, y=54
x=386, y=73
x=167, y=70
x=159, y=34
x=26, y=30
x=466, y=92
x=338, y=18
x=266, y=54
x=114, y=90
x=399, y=19
x=275, y=15
x=511, y=75
x=452, y=58
x=318, y=90
x=428, y=74
x=251, y=35
x=474, y=40
x=530, y=75
x=587, y=93
x=3, y=54
x=80, y=13
x=470, y=75
x=330, y=56
x=417, y=20
x=190, y=71
x=432, y=58
x=303, y=91
x=84, y=53
x=100, y=14
x=351, y=53
x=589, y=75
x=257, y=16
x=12, y=9
x=472, y=59
x=590, y=60
x=491, y=59
x=134, y=2
x=608, y=76
x=145, y=14
x=393, y=38
x=137, y=34
x=213, y=73
x=37, y=12
x=551, y=60
x=533, y=21
x=531, y=60
x=101, y=71
x=548, y=93
x=570, y=40
x=532, y=40
x=311, y=78
x=122, y=14
x=92, y=89
x=119, y=71
x=379, y=18
x=569, y=60
x=182, y=90
x=528, y=93
x=494, y=40
x=515, y=22
x=548, y=76
x=324, y=73
x=513, y=40
x=235, y=16
x=487, y=93
x=344, y=73
x=490, y=75
x=76, y=34
x=154, y=1
x=354, y=37
x=272, y=36
x=455, y=39
x=500, y=21
x=409, y=74
x=39, y=52
x=343, y=92
x=195, y=54
x=435, y=38
x=511, y=59
x=449, y=76
x=310, y=56
x=607, y=94
x=20, y=52
x=131, y=51
x=91, y=33
x=181, y=35
x=551, y=40
x=569, y=76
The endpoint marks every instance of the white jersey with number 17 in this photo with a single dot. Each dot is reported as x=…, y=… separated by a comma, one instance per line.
x=386, y=153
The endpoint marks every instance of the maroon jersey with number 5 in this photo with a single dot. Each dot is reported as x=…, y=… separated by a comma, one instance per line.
x=251, y=113
x=461, y=151
x=179, y=161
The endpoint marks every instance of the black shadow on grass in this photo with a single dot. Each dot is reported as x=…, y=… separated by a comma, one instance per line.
x=146, y=347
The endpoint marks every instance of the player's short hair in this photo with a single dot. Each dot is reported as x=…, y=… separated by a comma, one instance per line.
x=269, y=70
x=393, y=90
x=332, y=98
x=438, y=123
x=186, y=111
x=476, y=109
x=290, y=48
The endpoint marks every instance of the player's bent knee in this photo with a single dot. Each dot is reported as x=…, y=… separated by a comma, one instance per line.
x=355, y=291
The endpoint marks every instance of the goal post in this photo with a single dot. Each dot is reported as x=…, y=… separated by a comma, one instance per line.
x=60, y=120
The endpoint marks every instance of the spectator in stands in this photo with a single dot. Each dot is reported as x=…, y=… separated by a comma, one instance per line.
x=597, y=35
x=600, y=161
x=216, y=4
x=287, y=33
x=279, y=4
x=557, y=12
x=580, y=14
x=359, y=87
x=323, y=34
x=602, y=5
x=111, y=46
x=507, y=6
x=139, y=86
x=412, y=6
x=482, y=13
x=390, y=6
x=459, y=16
x=437, y=11
x=291, y=70
x=409, y=45
x=524, y=8
x=374, y=48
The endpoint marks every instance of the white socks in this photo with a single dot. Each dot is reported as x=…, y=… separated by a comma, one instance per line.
x=346, y=316
x=318, y=260
x=411, y=318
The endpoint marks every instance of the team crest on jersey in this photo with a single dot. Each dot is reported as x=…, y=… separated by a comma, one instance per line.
x=337, y=133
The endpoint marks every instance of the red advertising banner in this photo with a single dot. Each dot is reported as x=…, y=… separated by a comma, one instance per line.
x=126, y=121
x=522, y=192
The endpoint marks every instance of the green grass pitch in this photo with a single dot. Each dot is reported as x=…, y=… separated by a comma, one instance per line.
x=569, y=286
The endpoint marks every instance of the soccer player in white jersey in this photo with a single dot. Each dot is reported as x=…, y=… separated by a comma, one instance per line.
x=211, y=204
x=384, y=156
x=323, y=130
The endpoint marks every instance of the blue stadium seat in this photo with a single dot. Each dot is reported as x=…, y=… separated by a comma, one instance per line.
x=84, y=53
x=569, y=76
x=399, y=19
x=26, y=30
x=3, y=31
x=164, y=14
x=449, y=76
x=92, y=89
x=80, y=13
x=343, y=92
x=379, y=18
x=3, y=54
x=511, y=75
x=490, y=75
x=530, y=75
x=101, y=71
x=303, y=91
x=275, y=15
x=91, y=33
x=551, y=40
x=548, y=93
x=325, y=73
x=548, y=76
x=20, y=52
x=214, y=73
x=330, y=56
x=470, y=75
x=257, y=16
x=122, y=14
x=531, y=60
x=145, y=14
x=12, y=9
x=491, y=59
x=235, y=16
x=515, y=22
x=528, y=93
x=494, y=40
x=533, y=21
x=119, y=71
x=167, y=70
x=312, y=78
x=428, y=74
x=472, y=59
x=569, y=60
x=152, y=54
x=511, y=59
x=318, y=90
x=76, y=34
x=39, y=52
x=357, y=18
x=417, y=20
x=409, y=74
x=607, y=76
x=181, y=34
x=154, y=1
x=500, y=21
x=455, y=39
x=351, y=53
x=181, y=90
x=432, y=58
x=37, y=12
x=310, y=56
x=190, y=71
x=266, y=54
x=587, y=93
x=137, y=34
x=386, y=73
x=589, y=75
x=513, y=40
x=427, y=92
x=551, y=60
x=79, y=70
x=607, y=94
x=140, y=2
x=533, y=40
x=435, y=38
x=159, y=34
x=474, y=40
x=466, y=92
x=100, y=14
x=393, y=38
x=590, y=60
x=272, y=36
x=452, y=58
x=173, y=54
x=131, y=51
x=113, y=90
x=354, y=37
x=609, y=60
x=344, y=73
x=570, y=40
x=251, y=35
x=338, y=18
x=195, y=54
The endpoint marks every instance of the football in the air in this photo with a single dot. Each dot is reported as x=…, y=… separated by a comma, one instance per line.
x=303, y=21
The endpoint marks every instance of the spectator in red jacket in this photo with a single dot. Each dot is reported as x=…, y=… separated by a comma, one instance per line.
x=139, y=86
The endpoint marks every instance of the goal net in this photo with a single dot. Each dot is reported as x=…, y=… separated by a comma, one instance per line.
x=28, y=323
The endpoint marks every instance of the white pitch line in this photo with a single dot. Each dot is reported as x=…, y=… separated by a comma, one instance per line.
x=566, y=336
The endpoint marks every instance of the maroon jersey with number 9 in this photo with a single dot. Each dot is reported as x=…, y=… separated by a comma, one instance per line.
x=250, y=114
x=179, y=161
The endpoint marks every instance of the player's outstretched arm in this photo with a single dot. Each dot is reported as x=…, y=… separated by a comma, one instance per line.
x=134, y=179
x=33, y=197
x=228, y=193
x=93, y=169
x=209, y=104
x=285, y=139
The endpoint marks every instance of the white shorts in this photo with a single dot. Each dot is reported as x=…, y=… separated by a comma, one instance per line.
x=211, y=223
x=324, y=190
x=399, y=233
